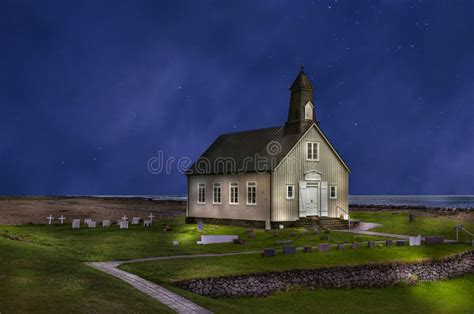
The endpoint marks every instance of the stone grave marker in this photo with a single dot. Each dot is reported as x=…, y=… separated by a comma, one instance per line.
x=400, y=242
x=307, y=249
x=118, y=222
x=86, y=221
x=431, y=240
x=293, y=232
x=124, y=218
x=283, y=242
x=340, y=247
x=239, y=241
x=175, y=243
x=200, y=226
x=76, y=223
x=268, y=252
x=415, y=241
x=147, y=223
x=355, y=245
x=323, y=247
x=91, y=224
x=325, y=238
x=62, y=218
x=304, y=232
x=106, y=223
x=315, y=230
x=123, y=224
x=371, y=244
x=135, y=220
x=50, y=218
x=281, y=226
x=388, y=243
x=289, y=250
x=327, y=230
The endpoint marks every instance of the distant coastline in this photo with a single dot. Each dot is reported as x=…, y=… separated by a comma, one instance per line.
x=426, y=201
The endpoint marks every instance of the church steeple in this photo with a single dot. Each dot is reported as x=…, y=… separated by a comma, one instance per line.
x=301, y=111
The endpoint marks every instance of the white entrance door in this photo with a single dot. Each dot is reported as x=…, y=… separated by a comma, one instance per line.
x=312, y=199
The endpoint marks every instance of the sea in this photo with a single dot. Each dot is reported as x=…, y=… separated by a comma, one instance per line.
x=418, y=200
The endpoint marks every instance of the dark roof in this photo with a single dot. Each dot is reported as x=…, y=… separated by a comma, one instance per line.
x=301, y=82
x=258, y=150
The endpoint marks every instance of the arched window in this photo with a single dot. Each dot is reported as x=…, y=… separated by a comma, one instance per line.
x=308, y=111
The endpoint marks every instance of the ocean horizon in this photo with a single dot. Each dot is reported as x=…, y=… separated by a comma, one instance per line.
x=414, y=200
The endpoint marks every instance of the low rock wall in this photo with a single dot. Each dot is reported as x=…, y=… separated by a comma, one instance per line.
x=360, y=276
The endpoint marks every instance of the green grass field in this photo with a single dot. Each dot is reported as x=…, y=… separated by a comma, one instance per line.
x=46, y=272
x=397, y=222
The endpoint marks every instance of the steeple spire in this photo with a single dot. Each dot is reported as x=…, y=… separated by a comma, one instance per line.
x=301, y=111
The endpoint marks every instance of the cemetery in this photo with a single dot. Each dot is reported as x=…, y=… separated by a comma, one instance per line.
x=278, y=263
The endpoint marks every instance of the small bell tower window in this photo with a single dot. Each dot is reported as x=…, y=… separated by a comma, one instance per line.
x=308, y=111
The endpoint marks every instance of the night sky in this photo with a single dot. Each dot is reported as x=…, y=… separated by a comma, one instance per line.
x=90, y=92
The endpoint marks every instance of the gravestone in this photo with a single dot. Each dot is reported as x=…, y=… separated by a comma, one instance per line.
x=388, y=243
x=289, y=250
x=355, y=245
x=200, y=226
x=315, y=230
x=147, y=223
x=283, y=242
x=327, y=230
x=268, y=225
x=91, y=224
x=340, y=247
x=106, y=223
x=432, y=240
x=167, y=228
x=118, y=222
x=251, y=235
x=307, y=249
x=323, y=247
x=415, y=241
x=86, y=221
x=268, y=252
x=400, y=242
x=123, y=224
x=293, y=232
x=135, y=220
x=239, y=241
x=371, y=244
x=411, y=217
x=76, y=223
x=151, y=216
x=50, y=218
x=281, y=226
x=325, y=238
x=304, y=232
x=175, y=243
x=62, y=218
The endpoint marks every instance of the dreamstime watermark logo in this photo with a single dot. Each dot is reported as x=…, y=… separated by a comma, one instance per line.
x=237, y=164
x=274, y=148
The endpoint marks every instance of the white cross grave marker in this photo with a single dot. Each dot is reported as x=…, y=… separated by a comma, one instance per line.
x=151, y=216
x=124, y=218
x=50, y=218
x=62, y=219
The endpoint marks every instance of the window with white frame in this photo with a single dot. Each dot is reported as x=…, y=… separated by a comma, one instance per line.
x=251, y=193
x=312, y=151
x=290, y=191
x=233, y=193
x=216, y=193
x=201, y=193
x=333, y=191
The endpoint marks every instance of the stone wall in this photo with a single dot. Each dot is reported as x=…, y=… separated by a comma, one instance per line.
x=360, y=276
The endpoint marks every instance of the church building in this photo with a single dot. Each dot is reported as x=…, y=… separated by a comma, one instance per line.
x=271, y=176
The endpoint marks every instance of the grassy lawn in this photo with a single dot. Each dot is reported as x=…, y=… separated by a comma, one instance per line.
x=45, y=272
x=168, y=271
x=112, y=243
x=42, y=279
x=397, y=222
x=450, y=296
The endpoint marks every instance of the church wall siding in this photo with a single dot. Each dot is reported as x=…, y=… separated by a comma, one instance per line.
x=259, y=212
x=292, y=169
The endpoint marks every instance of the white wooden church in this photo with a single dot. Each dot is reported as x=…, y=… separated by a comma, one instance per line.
x=298, y=172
